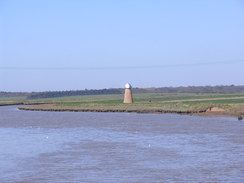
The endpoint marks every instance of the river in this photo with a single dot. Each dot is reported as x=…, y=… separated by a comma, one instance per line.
x=67, y=147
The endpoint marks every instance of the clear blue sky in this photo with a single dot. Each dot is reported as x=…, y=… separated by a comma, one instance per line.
x=78, y=44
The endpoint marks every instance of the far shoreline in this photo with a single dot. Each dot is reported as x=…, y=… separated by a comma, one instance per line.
x=216, y=105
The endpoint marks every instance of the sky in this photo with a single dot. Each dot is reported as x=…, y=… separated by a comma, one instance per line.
x=49, y=45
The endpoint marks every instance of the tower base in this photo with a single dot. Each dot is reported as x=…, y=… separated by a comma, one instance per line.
x=128, y=96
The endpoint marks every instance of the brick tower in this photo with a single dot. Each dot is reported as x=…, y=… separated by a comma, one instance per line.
x=128, y=99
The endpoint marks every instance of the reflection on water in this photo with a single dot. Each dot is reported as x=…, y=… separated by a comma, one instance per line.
x=59, y=147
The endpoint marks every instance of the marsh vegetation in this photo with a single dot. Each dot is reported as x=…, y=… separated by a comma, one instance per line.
x=188, y=103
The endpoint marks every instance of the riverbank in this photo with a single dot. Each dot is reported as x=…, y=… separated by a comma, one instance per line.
x=127, y=109
x=214, y=112
x=189, y=104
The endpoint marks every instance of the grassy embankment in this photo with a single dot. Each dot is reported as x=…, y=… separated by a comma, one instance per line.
x=203, y=104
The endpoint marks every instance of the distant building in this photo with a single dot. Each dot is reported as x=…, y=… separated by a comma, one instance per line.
x=128, y=99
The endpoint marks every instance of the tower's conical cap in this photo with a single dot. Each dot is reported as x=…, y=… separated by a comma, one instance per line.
x=128, y=86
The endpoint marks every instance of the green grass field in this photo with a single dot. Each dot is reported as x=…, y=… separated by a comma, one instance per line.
x=138, y=98
x=12, y=98
x=168, y=102
x=162, y=101
x=143, y=99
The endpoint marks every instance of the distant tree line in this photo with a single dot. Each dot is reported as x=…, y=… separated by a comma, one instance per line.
x=55, y=94
x=232, y=89
x=14, y=94
x=202, y=89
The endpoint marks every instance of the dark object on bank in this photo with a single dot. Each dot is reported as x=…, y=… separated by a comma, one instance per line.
x=240, y=117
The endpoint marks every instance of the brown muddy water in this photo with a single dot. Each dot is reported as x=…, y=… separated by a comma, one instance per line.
x=67, y=147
